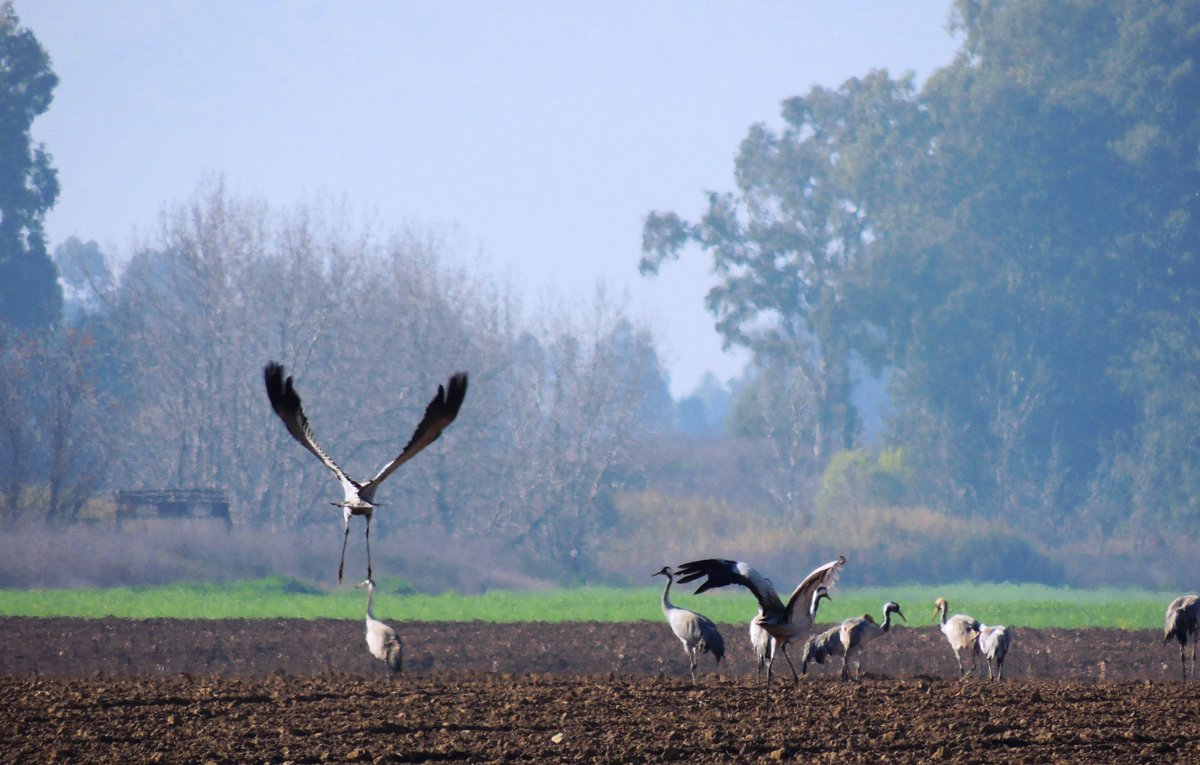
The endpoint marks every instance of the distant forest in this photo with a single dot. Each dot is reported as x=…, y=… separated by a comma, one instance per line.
x=1000, y=268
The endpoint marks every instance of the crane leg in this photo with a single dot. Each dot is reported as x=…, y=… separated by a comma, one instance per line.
x=345, y=536
x=845, y=668
x=368, y=547
x=692, y=663
x=767, y=686
x=795, y=677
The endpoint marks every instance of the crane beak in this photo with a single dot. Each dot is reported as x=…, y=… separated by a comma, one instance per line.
x=900, y=614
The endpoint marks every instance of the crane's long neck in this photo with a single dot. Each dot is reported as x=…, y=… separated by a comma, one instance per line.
x=887, y=620
x=371, y=601
x=666, y=598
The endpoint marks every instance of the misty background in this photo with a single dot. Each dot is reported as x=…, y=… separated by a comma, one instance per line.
x=963, y=308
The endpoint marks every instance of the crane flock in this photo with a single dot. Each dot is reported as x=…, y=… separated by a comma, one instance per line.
x=782, y=621
x=776, y=624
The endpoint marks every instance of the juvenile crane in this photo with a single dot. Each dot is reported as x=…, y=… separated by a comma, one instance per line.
x=359, y=498
x=697, y=633
x=820, y=647
x=962, y=632
x=382, y=640
x=857, y=631
x=783, y=622
x=1182, y=623
x=993, y=644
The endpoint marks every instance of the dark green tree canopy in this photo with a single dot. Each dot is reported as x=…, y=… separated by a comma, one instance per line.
x=1018, y=241
x=29, y=291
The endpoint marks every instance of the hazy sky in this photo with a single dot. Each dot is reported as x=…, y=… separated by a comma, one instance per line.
x=542, y=132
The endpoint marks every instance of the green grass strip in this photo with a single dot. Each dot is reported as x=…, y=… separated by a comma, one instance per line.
x=1017, y=605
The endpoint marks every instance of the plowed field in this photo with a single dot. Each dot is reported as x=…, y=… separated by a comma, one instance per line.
x=307, y=691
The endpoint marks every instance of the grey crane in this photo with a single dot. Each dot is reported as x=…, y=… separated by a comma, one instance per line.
x=820, y=647
x=697, y=632
x=382, y=640
x=1182, y=623
x=760, y=641
x=857, y=631
x=359, y=498
x=783, y=622
x=962, y=632
x=994, y=642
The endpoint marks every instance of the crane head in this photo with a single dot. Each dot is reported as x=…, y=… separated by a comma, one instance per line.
x=664, y=571
x=822, y=592
x=892, y=607
x=939, y=605
x=368, y=583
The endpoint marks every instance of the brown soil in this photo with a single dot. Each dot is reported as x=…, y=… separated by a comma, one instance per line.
x=115, y=690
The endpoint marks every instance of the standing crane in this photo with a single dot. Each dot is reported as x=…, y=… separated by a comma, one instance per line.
x=697, y=633
x=962, y=632
x=783, y=622
x=382, y=640
x=993, y=644
x=359, y=498
x=760, y=641
x=857, y=631
x=1182, y=623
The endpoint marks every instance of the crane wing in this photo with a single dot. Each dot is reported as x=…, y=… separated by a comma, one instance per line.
x=438, y=415
x=722, y=573
x=711, y=637
x=826, y=575
x=286, y=403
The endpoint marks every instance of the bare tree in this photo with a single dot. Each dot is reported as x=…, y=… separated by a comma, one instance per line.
x=72, y=426
x=588, y=389
x=17, y=431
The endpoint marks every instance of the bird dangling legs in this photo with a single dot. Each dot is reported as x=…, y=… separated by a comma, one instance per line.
x=359, y=498
x=347, y=512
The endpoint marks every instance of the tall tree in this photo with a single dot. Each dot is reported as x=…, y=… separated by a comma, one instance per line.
x=784, y=243
x=1049, y=230
x=29, y=291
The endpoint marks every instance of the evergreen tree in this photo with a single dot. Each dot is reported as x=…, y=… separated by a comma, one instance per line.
x=29, y=292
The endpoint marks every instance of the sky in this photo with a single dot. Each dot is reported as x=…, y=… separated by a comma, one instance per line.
x=540, y=133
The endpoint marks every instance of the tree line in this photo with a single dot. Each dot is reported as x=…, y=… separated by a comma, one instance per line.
x=1014, y=243
x=1003, y=258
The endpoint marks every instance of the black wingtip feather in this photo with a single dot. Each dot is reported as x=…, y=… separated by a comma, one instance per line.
x=279, y=389
x=457, y=392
